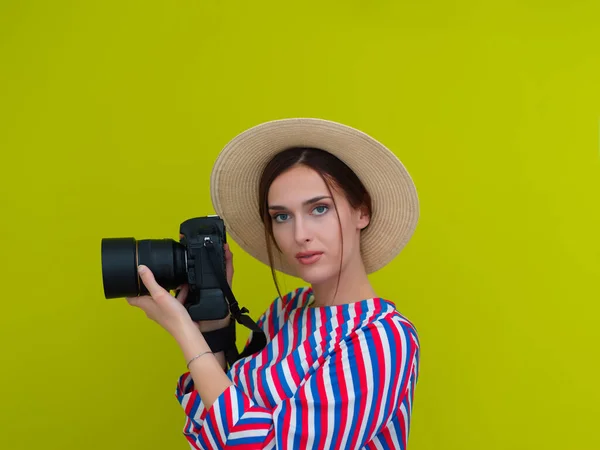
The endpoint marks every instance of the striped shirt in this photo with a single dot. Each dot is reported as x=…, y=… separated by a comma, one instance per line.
x=334, y=377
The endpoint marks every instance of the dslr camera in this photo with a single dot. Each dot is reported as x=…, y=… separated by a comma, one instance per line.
x=198, y=259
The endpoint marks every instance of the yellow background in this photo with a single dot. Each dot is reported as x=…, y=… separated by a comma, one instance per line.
x=112, y=112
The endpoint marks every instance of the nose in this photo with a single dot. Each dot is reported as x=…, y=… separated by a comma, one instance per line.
x=302, y=232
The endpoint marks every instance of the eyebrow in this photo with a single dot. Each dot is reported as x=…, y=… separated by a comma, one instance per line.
x=304, y=203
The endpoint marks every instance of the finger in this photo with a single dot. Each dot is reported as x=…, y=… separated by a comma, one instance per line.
x=183, y=292
x=228, y=253
x=149, y=281
x=139, y=302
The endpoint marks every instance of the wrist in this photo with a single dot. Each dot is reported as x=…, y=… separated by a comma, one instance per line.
x=191, y=341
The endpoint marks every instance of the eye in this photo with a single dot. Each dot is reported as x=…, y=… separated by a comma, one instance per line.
x=323, y=209
x=278, y=215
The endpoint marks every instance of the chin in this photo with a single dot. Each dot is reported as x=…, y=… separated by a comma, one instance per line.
x=315, y=275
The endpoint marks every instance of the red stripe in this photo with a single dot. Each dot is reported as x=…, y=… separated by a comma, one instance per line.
x=188, y=429
x=344, y=412
x=191, y=402
x=280, y=392
x=386, y=437
x=308, y=350
x=320, y=396
x=302, y=421
x=360, y=406
x=251, y=426
x=379, y=374
x=322, y=399
x=402, y=428
x=287, y=418
x=395, y=347
x=410, y=353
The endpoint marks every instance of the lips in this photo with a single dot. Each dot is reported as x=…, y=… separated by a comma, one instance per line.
x=307, y=254
x=308, y=257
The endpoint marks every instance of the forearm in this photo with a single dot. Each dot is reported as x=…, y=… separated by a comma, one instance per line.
x=220, y=356
x=212, y=325
x=207, y=371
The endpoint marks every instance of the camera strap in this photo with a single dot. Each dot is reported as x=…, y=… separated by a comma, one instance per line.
x=259, y=340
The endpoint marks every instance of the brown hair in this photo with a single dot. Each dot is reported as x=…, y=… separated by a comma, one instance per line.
x=334, y=173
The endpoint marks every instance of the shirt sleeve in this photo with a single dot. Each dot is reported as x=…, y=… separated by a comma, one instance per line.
x=343, y=404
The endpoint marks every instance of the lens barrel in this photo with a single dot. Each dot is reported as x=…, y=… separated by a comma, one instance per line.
x=166, y=258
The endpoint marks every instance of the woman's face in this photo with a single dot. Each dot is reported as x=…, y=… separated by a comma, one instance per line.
x=305, y=222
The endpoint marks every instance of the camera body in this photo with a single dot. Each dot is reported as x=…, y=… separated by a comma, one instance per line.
x=205, y=300
x=198, y=259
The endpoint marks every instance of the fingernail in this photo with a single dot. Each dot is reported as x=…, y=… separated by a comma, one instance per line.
x=141, y=270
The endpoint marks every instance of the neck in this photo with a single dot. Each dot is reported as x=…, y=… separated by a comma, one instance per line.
x=354, y=286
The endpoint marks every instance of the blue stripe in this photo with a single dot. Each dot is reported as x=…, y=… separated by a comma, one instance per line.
x=407, y=337
x=279, y=367
x=390, y=397
x=255, y=421
x=246, y=440
x=351, y=351
x=195, y=406
x=372, y=351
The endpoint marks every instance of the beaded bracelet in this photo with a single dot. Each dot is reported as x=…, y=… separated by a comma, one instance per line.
x=196, y=357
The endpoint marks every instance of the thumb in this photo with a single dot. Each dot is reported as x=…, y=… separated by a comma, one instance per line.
x=149, y=281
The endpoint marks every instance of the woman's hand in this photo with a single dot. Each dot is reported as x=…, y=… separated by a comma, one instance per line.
x=161, y=307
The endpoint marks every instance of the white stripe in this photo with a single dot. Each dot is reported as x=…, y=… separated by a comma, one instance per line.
x=269, y=384
x=347, y=371
x=258, y=415
x=285, y=363
x=393, y=434
x=211, y=439
x=301, y=351
x=404, y=418
x=404, y=350
x=234, y=405
x=247, y=434
x=239, y=379
x=409, y=391
x=199, y=410
x=219, y=414
x=387, y=372
x=258, y=393
x=302, y=325
x=333, y=333
x=293, y=424
x=269, y=313
x=326, y=369
x=280, y=317
x=330, y=401
x=311, y=426
x=268, y=373
x=378, y=443
x=270, y=445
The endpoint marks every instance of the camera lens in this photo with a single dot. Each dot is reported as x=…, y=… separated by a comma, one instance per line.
x=121, y=256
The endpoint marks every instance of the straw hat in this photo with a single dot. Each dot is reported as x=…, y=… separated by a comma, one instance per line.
x=236, y=174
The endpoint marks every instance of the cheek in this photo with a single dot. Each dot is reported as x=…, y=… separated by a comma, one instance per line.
x=349, y=231
x=329, y=233
x=280, y=236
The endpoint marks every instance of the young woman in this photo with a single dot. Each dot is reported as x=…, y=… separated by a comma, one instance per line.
x=328, y=204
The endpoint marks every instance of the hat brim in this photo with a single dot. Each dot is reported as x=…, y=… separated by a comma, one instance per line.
x=236, y=174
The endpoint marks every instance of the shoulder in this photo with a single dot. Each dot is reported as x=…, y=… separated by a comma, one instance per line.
x=402, y=323
x=387, y=329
